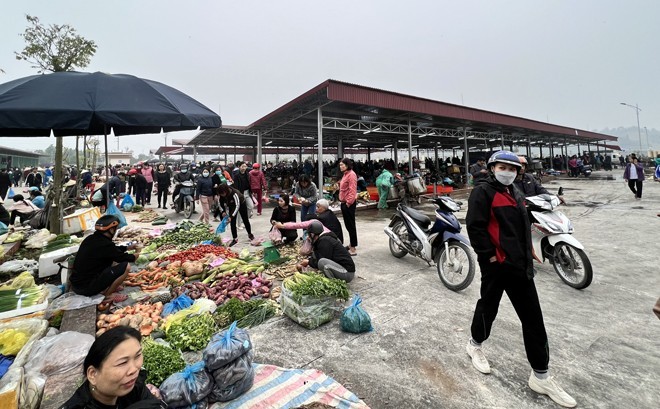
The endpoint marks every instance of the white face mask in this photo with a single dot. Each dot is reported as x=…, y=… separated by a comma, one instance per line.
x=205, y=174
x=505, y=177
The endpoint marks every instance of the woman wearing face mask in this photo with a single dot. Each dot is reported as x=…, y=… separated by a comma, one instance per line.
x=205, y=194
x=499, y=232
x=163, y=182
x=113, y=378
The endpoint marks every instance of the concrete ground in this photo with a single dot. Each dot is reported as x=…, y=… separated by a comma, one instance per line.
x=604, y=340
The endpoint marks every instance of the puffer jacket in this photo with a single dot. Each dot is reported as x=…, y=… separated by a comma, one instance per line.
x=498, y=225
x=257, y=179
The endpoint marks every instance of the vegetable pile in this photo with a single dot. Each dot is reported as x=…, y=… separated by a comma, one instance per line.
x=186, y=234
x=143, y=317
x=202, y=251
x=150, y=280
x=13, y=299
x=248, y=314
x=160, y=361
x=193, y=333
x=316, y=285
x=12, y=341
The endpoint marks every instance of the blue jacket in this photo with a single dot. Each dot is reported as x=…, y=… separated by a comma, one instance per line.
x=204, y=186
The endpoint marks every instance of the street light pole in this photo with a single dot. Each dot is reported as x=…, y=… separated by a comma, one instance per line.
x=639, y=130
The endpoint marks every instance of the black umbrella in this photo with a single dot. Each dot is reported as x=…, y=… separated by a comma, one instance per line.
x=77, y=103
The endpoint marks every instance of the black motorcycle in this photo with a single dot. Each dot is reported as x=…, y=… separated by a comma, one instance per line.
x=185, y=202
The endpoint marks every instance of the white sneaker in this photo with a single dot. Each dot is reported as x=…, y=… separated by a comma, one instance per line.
x=479, y=360
x=549, y=387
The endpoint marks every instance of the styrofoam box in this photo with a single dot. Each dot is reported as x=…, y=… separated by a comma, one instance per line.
x=46, y=266
x=81, y=220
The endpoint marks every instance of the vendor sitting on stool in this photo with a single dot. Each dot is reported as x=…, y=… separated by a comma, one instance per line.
x=330, y=256
x=100, y=266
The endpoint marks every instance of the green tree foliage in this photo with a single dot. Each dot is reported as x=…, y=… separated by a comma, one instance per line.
x=55, y=47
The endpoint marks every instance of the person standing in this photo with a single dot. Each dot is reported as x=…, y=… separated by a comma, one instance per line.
x=257, y=185
x=5, y=183
x=205, y=194
x=499, y=232
x=232, y=203
x=33, y=179
x=140, y=185
x=348, y=197
x=242, y=183
x=383, y=183
x=634, y=176
x=149, y=175
x=163, y=182
x=478, y=170
x=307, y=193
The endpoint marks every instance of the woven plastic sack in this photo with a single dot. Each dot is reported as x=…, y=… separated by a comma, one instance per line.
x=231, y=392
x=59, y=353
x=226, y=346
x=355, y=319
x=113, y=210
x=187, y=387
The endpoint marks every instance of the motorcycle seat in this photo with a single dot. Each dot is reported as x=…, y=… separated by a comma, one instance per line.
x=421, y=219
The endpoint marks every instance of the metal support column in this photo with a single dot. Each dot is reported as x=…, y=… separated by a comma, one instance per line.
x=466, y=155
x=529, y=148
x=410, y=160
x=435, y=151
x=340, y=148
x=300, y=152
x=502, y=140
x=396, y=155
x=195, y=154
x=566, y=156
x=259, y=148
x=320, y=152
x=368, y=154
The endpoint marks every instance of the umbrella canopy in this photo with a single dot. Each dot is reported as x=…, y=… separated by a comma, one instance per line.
x=78, y=103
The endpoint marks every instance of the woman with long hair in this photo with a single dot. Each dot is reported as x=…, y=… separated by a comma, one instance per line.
x=232, y=203
x=285, y=213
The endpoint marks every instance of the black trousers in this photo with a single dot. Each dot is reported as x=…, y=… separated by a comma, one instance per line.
x=23, y=216
x=636, y=187
x=246, y=221
x=140, y=195
x=495, y=280
x=147, y=192
x=348, y=212
x=162, y=193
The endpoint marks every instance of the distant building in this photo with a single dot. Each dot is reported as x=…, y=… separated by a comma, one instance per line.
x=116, y=158
x=16, y=158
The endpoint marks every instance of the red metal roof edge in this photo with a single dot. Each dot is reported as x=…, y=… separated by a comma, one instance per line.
x=343, y=91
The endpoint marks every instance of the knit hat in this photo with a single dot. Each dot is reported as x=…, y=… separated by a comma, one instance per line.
x=323, y=203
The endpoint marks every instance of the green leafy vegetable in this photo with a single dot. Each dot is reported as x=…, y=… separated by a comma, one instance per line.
x=316, y=285
x=193, y=333
x=160, y=361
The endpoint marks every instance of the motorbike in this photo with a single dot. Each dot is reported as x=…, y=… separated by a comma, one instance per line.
x=411, y=232
x=185, y=202
x=552, y=240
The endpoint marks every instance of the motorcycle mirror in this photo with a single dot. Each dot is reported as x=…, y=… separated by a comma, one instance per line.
x=561, y=191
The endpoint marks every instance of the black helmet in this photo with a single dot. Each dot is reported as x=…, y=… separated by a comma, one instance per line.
x=316, y=227
x=106, y=222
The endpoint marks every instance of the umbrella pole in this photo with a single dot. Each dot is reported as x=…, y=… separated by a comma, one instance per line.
x=107, y=169
x=55, y=221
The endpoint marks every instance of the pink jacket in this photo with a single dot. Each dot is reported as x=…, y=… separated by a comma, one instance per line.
x=257, y=179
x=302, y=225
x=348, y=188
x=148, y=174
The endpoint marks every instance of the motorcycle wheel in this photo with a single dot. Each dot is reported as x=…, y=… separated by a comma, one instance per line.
x=455, y=266
x=572, y=265
x=189, y=208
x=400, y=230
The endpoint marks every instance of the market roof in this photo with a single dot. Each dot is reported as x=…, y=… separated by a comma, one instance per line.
x=17, y=152
x=364, y=116
x=230, y=150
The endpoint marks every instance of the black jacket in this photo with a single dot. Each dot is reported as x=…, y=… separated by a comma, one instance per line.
x=96, y=253
x=529, y=186
x=115, y=185
x=204, y=186
x=330, y=221
x=140, y=182
x=138, y=398
x=279, y=216
x=163, y=180
x=231, y=203
x=242, y=182
x=498, y=225
x=34, y=179
x=4, y=215
x=328, y=246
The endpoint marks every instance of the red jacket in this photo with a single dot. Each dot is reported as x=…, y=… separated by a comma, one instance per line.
x=257, y=179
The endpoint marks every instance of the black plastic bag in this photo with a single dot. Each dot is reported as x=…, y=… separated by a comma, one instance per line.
x=226, y=346
x=187, y=387
x=227, y=393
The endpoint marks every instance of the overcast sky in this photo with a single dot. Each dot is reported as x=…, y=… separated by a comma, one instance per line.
x=566, y=62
